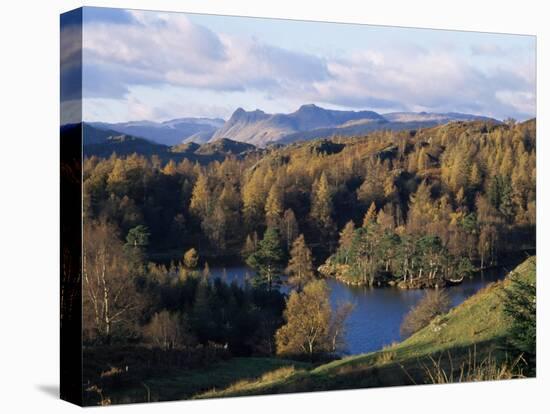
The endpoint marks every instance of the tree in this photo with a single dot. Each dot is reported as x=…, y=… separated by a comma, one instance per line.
x=300, y=266
x=191, y=258
x=250, y=245
x=253, y=195
x=200, y=199
x=274, y=206
x=370, y=216
x=289, y=227
x=110, y=298
x=168, y=331
x=346, y=240
x=435, y=302
x=321, y=206
x=311, y=327
x=267, y=260
x=170, y=168
x=520, y=305
x=138, y=236
x=206, y=271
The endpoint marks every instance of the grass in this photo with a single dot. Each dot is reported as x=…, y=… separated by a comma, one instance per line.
x=462, y=345
x=186, y=383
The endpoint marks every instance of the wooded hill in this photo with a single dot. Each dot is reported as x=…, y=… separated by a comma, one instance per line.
x=469, y=184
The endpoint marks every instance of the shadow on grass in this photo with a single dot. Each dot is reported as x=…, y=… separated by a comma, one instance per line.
x=407, y=366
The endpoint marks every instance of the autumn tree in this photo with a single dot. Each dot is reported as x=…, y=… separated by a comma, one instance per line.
x=191, y=258
x=300, y=266
x=346, y=240
x=321, y=206
x=311, y=327
x=168, y=331
x=110, y=299
x=370, y=216
x=200, y=200
x=274, y=207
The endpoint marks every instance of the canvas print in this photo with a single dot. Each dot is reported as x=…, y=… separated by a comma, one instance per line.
x=264, y=206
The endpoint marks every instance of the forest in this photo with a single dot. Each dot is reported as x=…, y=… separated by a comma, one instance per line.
x=412, y=209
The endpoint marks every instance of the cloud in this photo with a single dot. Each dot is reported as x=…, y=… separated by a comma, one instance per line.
x=169, y=48
x=434, y=80
x=163, y=50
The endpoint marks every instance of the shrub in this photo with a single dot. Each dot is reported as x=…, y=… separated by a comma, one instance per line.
x=435, y=302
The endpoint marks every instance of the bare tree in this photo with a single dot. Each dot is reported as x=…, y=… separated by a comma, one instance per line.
x=110, y=299
x=168, y=330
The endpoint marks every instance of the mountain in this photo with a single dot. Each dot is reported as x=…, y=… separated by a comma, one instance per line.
x=170, y=132
x=435, y=118
x=259, y=128
x=311, y=122
x=103, y=143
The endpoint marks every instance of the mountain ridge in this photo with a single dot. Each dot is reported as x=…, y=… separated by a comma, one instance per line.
x=260, y=128
x=311, y=121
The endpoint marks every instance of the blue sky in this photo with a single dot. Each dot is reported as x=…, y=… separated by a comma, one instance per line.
x=157, y=66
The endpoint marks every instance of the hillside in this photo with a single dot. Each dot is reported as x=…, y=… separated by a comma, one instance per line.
x=103, y=143
x=471, y=331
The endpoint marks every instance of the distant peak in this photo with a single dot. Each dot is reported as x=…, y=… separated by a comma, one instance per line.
x=309, y=107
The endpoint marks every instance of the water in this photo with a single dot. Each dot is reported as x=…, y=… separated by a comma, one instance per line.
x=378, y=312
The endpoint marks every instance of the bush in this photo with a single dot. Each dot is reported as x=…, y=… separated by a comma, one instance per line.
x=434, y=303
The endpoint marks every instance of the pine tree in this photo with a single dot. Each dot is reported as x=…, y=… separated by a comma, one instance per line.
x=267, y=260
x=300, y=266
x=520, y=306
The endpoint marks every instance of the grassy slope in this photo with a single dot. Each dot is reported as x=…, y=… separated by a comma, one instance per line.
x=187, y=383
x=477, y=325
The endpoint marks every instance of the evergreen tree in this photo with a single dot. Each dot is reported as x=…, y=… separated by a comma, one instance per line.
x=267, y=260
x=521, y=307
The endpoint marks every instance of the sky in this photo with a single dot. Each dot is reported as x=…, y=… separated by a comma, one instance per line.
x=146, y=65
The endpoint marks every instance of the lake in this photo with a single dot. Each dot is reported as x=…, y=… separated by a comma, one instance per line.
x=378, y=312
